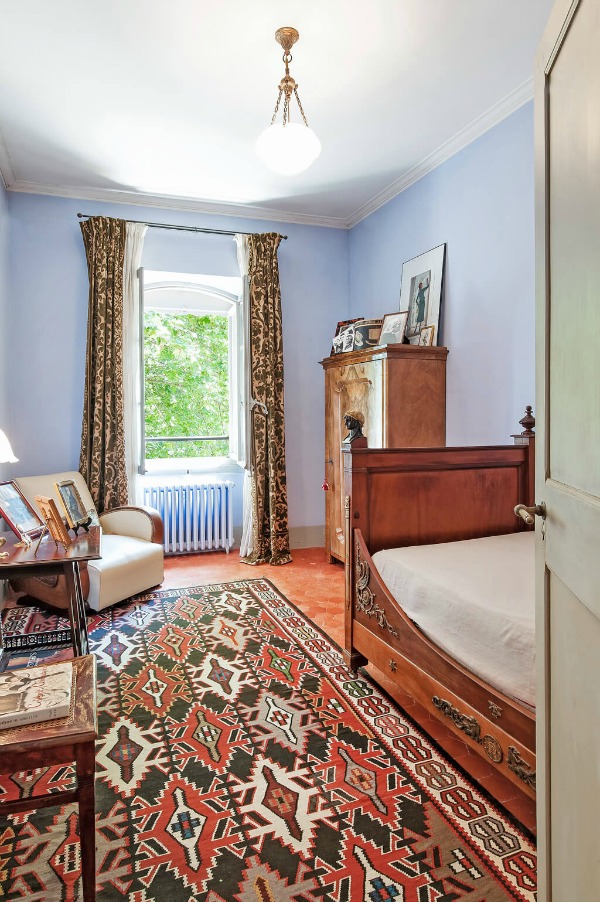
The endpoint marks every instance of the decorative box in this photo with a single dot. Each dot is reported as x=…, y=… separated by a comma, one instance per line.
x=366, y=333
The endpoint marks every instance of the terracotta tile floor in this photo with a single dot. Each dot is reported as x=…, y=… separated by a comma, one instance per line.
x=317, y=588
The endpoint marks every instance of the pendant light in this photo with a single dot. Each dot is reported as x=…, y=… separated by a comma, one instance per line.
x=288, y=147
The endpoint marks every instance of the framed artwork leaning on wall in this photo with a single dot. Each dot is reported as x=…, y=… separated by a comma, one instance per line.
x=421, y=292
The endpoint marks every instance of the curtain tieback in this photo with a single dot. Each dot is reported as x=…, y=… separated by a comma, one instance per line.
x=254, y=403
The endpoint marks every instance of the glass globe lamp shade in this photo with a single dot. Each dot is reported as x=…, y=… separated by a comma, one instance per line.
x=288, y=149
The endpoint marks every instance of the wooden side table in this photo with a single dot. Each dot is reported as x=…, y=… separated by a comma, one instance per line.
x=64, y=741
x=50, y=559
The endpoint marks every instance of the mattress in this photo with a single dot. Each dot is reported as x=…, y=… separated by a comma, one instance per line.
x=475, y=599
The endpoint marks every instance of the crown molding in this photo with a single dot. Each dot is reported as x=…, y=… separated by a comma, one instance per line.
x=501, y=110
x=7, y=173
x=109, y=195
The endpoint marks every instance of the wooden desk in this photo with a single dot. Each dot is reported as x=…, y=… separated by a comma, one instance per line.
x=51, y=559
x=64, y=741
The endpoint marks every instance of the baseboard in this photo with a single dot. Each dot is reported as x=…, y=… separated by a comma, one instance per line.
x=300, y=537
x=307, y=537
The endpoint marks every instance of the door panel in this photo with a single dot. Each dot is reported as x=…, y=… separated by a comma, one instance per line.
x=572, y=541
x=568, y=461
x=574, y=743
x=574, y=227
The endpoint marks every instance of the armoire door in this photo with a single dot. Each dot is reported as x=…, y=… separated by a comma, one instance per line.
x=568, y=460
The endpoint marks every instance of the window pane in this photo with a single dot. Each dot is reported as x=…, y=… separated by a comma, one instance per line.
x=186, y=384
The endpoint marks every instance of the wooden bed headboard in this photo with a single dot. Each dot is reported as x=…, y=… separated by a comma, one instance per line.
x=420, y=496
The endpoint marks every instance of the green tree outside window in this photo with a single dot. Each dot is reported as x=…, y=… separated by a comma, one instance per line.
x=186, y=361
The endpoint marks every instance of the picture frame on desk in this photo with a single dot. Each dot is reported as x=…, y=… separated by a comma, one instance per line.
x=53, y=520
x=75, y=512
x=18, y=513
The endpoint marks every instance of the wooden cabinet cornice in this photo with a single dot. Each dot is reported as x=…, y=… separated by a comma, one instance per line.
x=401, y=392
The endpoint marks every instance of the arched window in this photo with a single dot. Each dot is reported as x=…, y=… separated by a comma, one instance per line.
x=191, y=394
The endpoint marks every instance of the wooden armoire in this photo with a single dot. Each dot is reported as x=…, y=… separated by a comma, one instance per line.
x=401, y=392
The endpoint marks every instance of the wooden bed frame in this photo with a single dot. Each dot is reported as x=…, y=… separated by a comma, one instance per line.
x=405, y=497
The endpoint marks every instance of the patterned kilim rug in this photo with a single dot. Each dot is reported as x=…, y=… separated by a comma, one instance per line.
x=240, y=760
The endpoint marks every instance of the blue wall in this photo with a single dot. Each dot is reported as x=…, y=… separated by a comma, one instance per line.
x=480, y=203
x=4, y=324
x=49, y=292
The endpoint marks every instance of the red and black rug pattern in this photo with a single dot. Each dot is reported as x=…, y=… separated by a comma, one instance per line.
x=239, y=759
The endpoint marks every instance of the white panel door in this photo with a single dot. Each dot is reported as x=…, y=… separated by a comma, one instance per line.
x=568, y=452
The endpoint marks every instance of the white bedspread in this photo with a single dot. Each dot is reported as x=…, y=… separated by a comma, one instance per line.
x=475, y=600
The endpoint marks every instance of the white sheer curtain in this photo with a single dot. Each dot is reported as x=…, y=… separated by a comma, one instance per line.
x=243, y=254
x=134, y=243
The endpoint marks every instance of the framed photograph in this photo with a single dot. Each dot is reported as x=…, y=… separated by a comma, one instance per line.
x=70, y=498
x=426, y=336
x=53, y=520
x=343, y=339
x=18, y=512
x=392, y=328
x=421, y=292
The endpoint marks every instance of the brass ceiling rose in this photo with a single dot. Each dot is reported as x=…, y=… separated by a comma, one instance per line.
x=287, y=37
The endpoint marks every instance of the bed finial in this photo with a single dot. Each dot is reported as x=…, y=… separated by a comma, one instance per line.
x=528, y=421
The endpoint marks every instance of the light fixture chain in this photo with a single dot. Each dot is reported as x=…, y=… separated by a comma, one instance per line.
x=300, y=105
x=288, y=151
x=277, y=106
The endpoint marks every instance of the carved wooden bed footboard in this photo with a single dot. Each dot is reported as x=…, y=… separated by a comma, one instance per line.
x=406, y=497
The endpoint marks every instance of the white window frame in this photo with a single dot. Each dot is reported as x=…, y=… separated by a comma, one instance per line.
x=200, y=294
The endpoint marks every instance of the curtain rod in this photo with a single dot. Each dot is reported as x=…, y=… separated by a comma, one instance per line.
x=179, y=228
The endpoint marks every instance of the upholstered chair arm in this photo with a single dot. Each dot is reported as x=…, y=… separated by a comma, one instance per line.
x=141, y=522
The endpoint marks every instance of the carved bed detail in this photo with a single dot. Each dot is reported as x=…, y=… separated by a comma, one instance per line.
x=520, y=767
x=492, y=748
x=422, y=496
x=469, y=725
x=365, y=600
x=495, y=710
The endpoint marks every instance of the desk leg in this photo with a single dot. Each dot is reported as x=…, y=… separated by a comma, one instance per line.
x=76, y=609
x=87, y=821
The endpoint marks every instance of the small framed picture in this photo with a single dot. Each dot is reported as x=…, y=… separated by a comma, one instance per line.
x=392, y=328
x=426, y=336
x=18, y=512
x=75, y=511
x=53, y=520
x=343, y=340
x=421, y=292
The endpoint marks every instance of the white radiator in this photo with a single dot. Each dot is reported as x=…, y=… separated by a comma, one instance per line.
x=195, y=517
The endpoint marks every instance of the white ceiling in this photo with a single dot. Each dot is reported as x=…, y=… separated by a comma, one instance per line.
x=160, y=101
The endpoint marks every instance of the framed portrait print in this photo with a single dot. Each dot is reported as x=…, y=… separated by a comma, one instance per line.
x=421, y=292
x=70, y=498
x=392, y=328
x=18, y=512
x=53, y=520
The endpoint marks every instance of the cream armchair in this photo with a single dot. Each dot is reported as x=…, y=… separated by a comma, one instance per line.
x=132, y=552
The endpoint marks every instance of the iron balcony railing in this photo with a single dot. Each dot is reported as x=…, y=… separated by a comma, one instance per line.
x=188, y=438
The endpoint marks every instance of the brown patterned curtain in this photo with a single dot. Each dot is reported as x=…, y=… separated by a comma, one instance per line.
x=102, y=459
x=270, y=537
